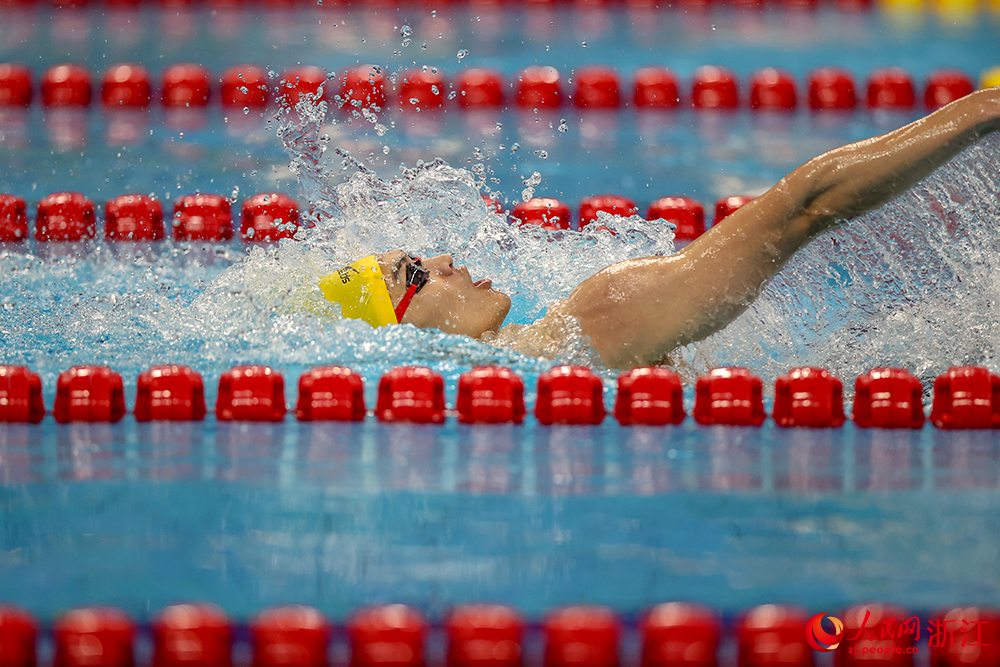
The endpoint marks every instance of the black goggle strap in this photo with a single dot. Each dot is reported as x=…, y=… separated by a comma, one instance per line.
x=416, y=277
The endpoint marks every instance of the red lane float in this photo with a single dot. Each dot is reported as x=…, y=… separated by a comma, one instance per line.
x=876, y=635
x=714, y=88
x=269, y=217
x=66, y=85
x=891, y=89
x=387, y=636
x=202, y=218
x=331, y=393
x=888, y=398
x=170, y=393
x=613, y=204
x=126, y=86
x=679, y=634
x=185, y=85
x=65, y=216
x=729, y=396
x=245, y=87
x=480, y=89
x=596, y=88
x=411, y=394
x=13, y=219
x=656, y=88
x=945, y=86
x=299, y=81
x=808, y=397
x=973, y=637
x=15, y=85
x=20, y=397
x=89, y=394
x=94, y=636
x=545, y=212
x=651, y=396
x=293, y=636
x=490, y=395
x=538, y=87
x=18, y=635
x=363, y=87
x=192, y=635
x=484, y=635
x=727, y=205
x=570, y=395
x=581, y=637
x=252, y=394
x=421, y=89
x=831, y=89
x=133, y=218
x=772, y=90
x=687, y=215
x=773, y=636
x=966, y=397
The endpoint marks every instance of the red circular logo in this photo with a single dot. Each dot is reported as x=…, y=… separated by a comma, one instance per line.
x=820, y=639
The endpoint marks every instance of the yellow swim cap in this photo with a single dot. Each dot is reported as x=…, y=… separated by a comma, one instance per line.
x=361, y=292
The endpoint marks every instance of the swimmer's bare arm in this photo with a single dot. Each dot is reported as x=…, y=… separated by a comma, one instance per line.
x=635, y=312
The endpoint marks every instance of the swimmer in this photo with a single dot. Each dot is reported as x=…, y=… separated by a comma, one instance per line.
x=636, y=312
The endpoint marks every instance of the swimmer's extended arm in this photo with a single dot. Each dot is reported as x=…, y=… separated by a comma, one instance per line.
x=637, y=311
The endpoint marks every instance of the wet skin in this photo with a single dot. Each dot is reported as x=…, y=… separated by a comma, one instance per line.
x=450, y=300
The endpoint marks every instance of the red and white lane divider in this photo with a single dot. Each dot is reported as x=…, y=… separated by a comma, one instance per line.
x=190, y=86
x=671, y=634
x=965, y=397
x=269, y=217
x=71, y=216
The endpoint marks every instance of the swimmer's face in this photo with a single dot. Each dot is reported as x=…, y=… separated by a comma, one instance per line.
x=450, y=300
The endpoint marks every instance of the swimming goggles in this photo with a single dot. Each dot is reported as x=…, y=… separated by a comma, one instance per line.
x=416, y=277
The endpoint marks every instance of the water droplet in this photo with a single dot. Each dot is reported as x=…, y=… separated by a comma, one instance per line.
x=405, y=31
x=246, y=110
x=235, y=194
x=515, y=147
x=713, y=26
x=542, y=154
x=533, y=180
x=424, y=46
x=407, y=41
x=385, y=150
x=583, y=44
x=499, y=126
x=463, y=53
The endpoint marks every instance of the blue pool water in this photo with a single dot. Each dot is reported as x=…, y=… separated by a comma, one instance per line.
x=249, y=515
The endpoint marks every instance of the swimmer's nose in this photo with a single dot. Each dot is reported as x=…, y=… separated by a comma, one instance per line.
x=442, y=264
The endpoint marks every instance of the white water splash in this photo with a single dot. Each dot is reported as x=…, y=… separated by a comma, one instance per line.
x=914, y=284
